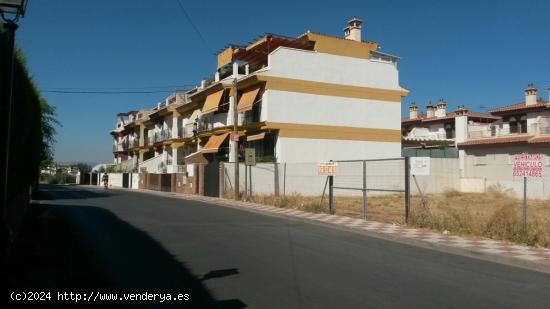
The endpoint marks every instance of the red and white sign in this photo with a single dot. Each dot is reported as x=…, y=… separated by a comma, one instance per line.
x=528, y=164
x=327, y=168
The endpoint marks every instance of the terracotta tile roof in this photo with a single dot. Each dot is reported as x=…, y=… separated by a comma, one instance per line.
x=450, y=115
x=497, y=140
x=518, y=106
x=540, y=139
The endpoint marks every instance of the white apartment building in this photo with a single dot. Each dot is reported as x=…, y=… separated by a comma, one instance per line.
x=306, y=99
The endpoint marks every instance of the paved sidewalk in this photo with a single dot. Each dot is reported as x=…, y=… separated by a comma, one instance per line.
x=500, y=251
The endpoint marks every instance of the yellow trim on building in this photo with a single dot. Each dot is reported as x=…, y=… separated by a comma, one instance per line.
x=176, y=145
x=329, y=89
x=225, y=57
x=341, y=47
x=335, y=132
x=258, y=42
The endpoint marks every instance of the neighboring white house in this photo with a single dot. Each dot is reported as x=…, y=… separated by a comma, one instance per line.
x=523, y=128
x=305, y=99
x=439, y=128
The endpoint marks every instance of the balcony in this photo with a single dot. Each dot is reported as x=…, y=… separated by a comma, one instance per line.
x=162, y=136
x=533, y=129
x=205, y=126
x=134, y=143
x=186, y=131
x=122, y=146
x=423, y=134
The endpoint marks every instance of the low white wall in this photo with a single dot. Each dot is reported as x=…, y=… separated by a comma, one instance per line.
x=302, y=178
x=135, y=181
x=299, y=178
x=477, y=185
x=115, y=180
x=444, y=175
x=496, y=166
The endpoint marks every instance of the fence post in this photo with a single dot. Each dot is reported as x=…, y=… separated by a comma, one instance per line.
x=250, y=182
x=525, y=204
x=284, y=181
x=365, y=190
x=276, y=180
x=330, y=194
x=221, y=180
x=407, y=189
x=245, y=182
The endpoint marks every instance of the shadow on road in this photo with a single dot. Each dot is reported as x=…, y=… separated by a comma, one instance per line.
x=83, y=248
x=58, y=192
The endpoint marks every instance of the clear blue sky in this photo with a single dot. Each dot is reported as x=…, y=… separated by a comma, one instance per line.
x=473, y=53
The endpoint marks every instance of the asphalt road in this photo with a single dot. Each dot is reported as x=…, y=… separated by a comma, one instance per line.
x=231, y=258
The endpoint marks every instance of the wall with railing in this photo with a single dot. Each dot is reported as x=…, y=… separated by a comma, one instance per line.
x=153, y=165
x=477, y=131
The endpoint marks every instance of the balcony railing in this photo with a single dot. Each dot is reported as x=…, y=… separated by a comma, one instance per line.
x=134, y=143
x=162, y=136
x=122, y=146
x=533, y=129
x=186, y=131
x=429, y=136
x=205, y=126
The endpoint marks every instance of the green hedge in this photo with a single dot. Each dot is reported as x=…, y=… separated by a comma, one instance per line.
x=31, y=127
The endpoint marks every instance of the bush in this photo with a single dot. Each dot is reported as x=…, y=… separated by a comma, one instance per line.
x=60, y=178
x=450, y=193
x=499, y=191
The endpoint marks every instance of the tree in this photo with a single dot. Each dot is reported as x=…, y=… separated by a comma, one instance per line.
x=48, y=123
x=83, y=167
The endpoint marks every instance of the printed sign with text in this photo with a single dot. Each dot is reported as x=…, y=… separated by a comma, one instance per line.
x=528, y=164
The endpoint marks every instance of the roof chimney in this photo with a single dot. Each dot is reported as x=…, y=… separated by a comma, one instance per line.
x=353, y=30
x=461, y=111
x=441, y=108
x=430, y=111
x=413, y=111
x=530, y=95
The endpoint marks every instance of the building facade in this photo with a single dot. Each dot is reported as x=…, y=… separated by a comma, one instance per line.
x=438, y=128
x=305, y=99
x=487, y=143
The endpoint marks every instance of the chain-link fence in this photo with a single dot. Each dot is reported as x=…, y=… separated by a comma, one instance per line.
x=347, y=193
x=356, y=180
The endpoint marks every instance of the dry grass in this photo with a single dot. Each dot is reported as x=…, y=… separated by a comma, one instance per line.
x=493, y=214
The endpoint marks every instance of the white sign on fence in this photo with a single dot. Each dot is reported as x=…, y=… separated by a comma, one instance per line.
x=528, y=164
x=420, y=166
x=327, y=168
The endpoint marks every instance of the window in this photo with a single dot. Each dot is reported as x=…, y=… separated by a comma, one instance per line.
x=254, y=115
x=513, y=125
x=224, y=104
x=449, y=131
x=265, y=148
x=523, y=124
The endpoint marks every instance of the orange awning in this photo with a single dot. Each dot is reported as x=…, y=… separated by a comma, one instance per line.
x=247, y=100
x=212, y=102
x=214, y=143
x=255, y=137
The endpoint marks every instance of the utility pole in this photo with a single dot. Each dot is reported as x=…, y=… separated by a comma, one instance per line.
x=234, y=140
